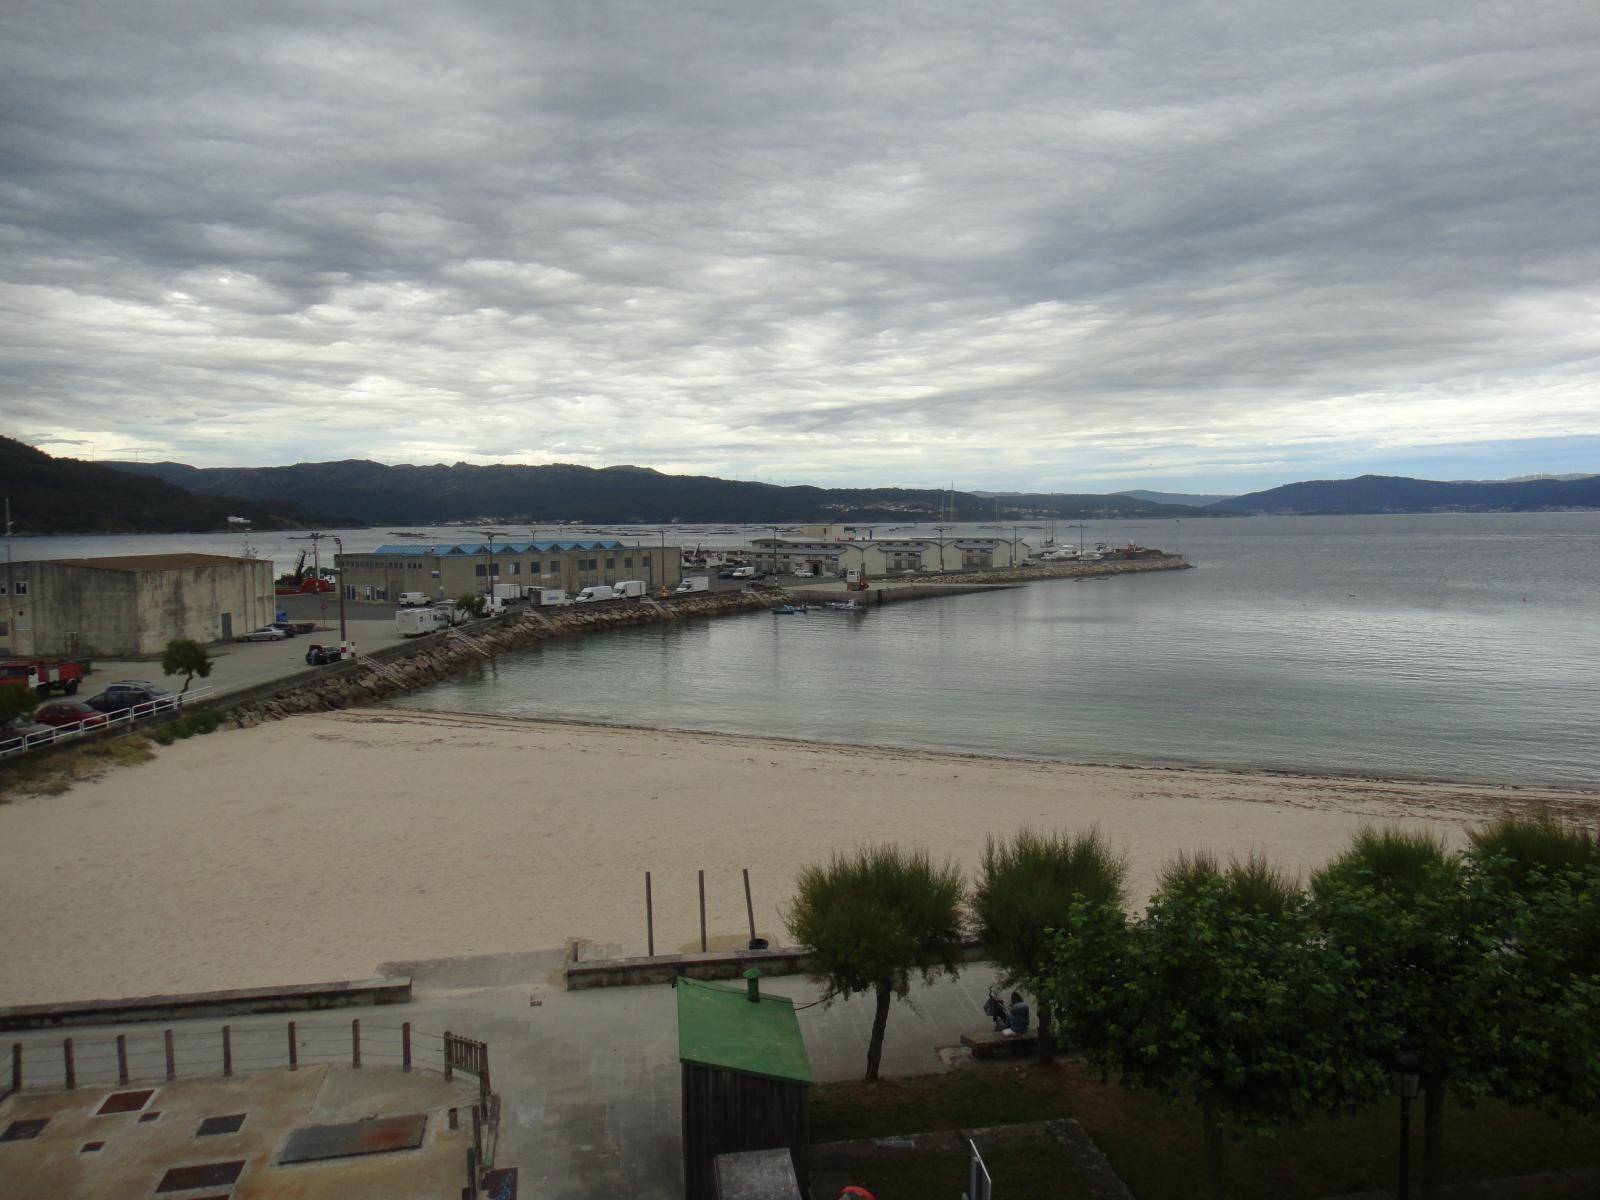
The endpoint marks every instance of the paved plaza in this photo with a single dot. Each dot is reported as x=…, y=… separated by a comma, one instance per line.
x=588, y=1081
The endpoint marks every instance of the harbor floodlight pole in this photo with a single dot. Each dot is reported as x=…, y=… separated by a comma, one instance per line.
x=338, y=558
x=488, y=571
x=939, y=529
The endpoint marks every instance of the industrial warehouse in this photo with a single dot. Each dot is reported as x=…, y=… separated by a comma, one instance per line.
x=448, y=571
x=130, y=606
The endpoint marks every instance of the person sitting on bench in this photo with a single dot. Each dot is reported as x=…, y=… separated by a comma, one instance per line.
x=1018, y=1015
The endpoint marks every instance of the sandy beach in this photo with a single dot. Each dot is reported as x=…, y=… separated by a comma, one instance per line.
x=320, y=847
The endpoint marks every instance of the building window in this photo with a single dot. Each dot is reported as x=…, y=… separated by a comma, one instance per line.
x=480, y=570
x=516, y=568
x=611, y=564
x=628, y=562
x=2, y=589
x=22, y=588
x=533, y=568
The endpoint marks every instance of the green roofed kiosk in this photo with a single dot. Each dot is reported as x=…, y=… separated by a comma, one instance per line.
x=746, y=1078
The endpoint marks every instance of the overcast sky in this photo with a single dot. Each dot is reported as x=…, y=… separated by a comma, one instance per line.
x=1197, y=246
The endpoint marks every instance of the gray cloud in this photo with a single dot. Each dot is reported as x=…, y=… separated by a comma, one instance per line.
x=1009, y=246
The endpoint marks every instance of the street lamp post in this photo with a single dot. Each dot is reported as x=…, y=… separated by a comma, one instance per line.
x=488, y=576
x=338, y=558
x=1013, y=545
x=939, y=529
x=1405, y=1073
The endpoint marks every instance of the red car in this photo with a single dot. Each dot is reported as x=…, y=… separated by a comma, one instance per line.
x=68, y=712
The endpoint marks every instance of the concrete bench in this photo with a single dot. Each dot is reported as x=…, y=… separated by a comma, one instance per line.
x=997, y=1045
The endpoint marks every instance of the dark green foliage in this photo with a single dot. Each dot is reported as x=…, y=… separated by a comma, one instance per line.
x=1026, y=889
x=65, y=495
x=472, y=602
x=1222, y=993
x=1520, y=846
x=873, y=920
x=16, y=701
x=205, y=721
x=1394, y=861
x=186, y=657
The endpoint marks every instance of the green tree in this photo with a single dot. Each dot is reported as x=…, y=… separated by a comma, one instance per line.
x=185, y=657
x=1219, y=994
x=1397, y=903
x=1539, y=878
x=872, y=920
x=1026, y=888
x=16, y=701
x=471, y=602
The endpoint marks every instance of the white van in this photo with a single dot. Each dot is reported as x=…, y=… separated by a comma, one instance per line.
x=414, y=599
x=629, y=589
x=548, y=597
x=597, y=591
x=414, y=622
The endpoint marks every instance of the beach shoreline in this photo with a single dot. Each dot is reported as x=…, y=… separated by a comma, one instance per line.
x=320, y=846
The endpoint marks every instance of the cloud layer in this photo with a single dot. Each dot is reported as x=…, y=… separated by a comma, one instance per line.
x=1007, y=245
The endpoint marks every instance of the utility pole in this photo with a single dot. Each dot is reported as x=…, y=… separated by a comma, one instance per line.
x=12, y=637
x=488, y=577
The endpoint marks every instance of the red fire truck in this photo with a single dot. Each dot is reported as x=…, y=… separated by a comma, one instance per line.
x=42, y=675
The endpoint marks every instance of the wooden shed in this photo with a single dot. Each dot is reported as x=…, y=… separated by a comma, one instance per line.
x=746, y=1078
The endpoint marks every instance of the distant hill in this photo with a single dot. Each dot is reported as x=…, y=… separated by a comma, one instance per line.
x=1185, y=498
x=66, y=495
x=373, y=492
x=1396, y=494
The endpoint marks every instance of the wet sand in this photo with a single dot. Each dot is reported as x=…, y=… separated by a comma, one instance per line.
x=320, y=847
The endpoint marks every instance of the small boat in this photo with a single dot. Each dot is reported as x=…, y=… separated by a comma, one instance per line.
x=789, y=610
x=849, y=606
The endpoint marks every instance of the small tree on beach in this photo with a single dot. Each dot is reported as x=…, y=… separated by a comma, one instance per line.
x=1026, y=888
x=186, y=657
x=873, y=919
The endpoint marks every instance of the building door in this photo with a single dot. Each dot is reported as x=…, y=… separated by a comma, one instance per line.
x=227, y=626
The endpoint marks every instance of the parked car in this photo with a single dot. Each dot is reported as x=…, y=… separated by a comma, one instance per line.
x=317, y=656
x=267, y=633
x=287, y=628
x=69, y=712
x=125, y=693
x=28, y=733
x=726, y=572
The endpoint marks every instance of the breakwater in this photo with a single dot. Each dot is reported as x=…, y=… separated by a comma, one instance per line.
x=398, y=670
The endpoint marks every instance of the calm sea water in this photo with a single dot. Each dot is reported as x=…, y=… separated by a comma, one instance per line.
x=1451, y=647
x=1448, y=646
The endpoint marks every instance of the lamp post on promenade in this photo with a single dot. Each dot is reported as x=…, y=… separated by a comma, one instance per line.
x=1405, y=1073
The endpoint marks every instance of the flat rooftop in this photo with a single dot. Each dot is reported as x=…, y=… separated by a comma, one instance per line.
x=319, y=1133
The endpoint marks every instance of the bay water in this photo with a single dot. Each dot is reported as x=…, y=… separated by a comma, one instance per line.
x=1444, y=646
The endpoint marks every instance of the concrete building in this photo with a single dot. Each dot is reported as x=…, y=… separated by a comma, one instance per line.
x=879, y=557
x=131, y=606
x=445, y=572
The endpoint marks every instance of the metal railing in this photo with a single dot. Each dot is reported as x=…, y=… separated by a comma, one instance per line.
x=120, y=721
x=382, y=670
x=471, y=641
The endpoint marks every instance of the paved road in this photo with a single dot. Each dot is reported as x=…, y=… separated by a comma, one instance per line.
x=589, y=1081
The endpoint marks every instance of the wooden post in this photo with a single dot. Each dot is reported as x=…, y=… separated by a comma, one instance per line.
x=122, y=1058
x=477, y=1128
x=749, y=909
x=472, y=1168
x=453, y=1122
x=172, y=1062
x=447, y=1057
x=16, y=1066
x=227, y=1050
x=649, y=918
x=405, y=1046
x=702, y=912
x=294, y=1050
x=355, y=1042
x=66, y=1057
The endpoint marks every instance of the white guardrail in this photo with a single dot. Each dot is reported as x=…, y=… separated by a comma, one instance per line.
x=123, y=719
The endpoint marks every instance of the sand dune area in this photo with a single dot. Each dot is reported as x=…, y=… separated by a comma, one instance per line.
x=320, y=847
